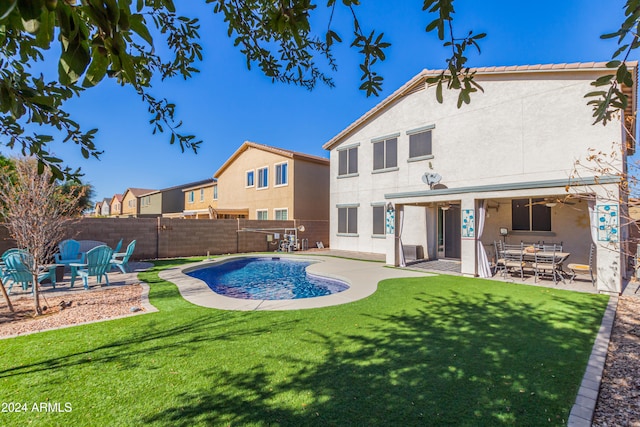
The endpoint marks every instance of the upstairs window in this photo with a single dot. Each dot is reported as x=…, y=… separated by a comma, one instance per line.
x=281, y=174
x=348, y=161
x=385, y=154
x=263, y=177
x=420, y=144
x=191, y=197
x=249, y=182
x=202, y=194
x=215, y=192
x=530, y=215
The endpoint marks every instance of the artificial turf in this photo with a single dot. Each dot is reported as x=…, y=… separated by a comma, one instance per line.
x=440, y=350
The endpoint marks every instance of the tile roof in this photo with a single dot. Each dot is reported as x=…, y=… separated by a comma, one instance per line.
x=281, y=151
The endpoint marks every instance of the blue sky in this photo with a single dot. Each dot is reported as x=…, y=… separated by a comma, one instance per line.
x=227, y=104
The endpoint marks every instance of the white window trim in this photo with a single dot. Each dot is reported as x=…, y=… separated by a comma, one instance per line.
x=262, y=210
x=257, y=177
x=191, y=197
x=275, y=172
x=202, y=194
x=281, y=209
x=246, y=173
x=214, y=190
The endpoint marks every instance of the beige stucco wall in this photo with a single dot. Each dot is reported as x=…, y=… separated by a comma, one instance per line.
x=198, y=202
x=233, y=193
x=127, y=210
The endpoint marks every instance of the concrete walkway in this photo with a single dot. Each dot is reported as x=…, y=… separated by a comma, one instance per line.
x=361, y=276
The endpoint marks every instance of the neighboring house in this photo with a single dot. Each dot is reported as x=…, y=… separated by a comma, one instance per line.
x=265, y=183
x=168, y=202
x=130, y=205
x=97, y=211
x=105, y=209
x=415, y=172
x=116, y=205
x=200, y=201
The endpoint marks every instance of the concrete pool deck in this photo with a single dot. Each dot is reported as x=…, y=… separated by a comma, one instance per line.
x=361, y=276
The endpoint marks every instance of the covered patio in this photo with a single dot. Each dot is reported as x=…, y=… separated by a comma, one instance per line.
x=463, y=224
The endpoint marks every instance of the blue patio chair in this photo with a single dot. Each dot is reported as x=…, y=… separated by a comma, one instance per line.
x=121, y=260
x=69, y=251
x=117, y=248
x=98, y=263
x=17, y=272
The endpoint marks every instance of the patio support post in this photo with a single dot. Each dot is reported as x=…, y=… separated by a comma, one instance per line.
x=468, y=243
x=393, y=239
x=609, y=258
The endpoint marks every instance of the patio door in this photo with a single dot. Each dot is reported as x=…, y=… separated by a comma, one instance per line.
x=449, y=232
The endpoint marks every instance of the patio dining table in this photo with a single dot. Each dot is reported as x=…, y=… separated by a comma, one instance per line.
x=529, y=256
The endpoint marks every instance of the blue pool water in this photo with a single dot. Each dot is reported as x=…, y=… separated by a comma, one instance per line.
x=266, y=279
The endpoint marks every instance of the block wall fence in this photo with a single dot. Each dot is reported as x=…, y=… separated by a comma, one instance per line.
x=171, y=237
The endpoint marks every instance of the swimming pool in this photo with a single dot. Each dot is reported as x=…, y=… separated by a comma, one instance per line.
x=266, y=278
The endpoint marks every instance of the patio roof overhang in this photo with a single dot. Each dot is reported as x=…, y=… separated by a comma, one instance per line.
x=556, y=186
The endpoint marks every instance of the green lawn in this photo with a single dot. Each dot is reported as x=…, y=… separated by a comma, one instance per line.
x=430, y=351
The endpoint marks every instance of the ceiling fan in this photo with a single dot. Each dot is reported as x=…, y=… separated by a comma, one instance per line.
x=550, y=202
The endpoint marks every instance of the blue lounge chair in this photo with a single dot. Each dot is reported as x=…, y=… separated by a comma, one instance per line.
x=121, y=260
x=69, y=251
x=17, y=272
x=98, y=263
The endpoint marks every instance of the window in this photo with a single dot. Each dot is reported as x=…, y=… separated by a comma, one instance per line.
x=262, y=214
x=215, y=192
x=530, y=215
x=191, y=197
x=281, y=214
x=378, y=220
x=263, y=177
x=348, y=220
x=202, y=194
x=420, y=144
x=281, y=174
x=132, y=203
x=348, y=161
x=249, y=182
x=385, y=154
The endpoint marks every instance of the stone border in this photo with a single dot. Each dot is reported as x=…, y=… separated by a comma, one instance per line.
x=585, y=404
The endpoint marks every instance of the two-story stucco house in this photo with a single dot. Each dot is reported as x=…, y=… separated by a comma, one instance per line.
x=453, y=180
x=168, y=202
x=105, y=207
x=115, y=208
x=130, y=202
x=200, y=201
x=266, y=183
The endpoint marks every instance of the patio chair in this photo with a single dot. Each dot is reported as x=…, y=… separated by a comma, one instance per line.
x=121, y=260
x=546, y=263
x=69, y=251
x=98, y=263
x=584, y=268
x=17, y=272
x=117, y=248
x=514, y=259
